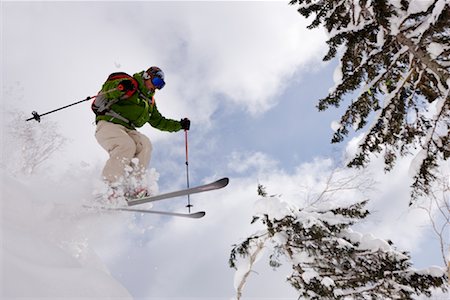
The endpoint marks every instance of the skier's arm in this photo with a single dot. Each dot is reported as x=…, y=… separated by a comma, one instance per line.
x=158, y=121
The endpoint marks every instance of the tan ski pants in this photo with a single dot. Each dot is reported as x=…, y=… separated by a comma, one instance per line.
x=123, y=145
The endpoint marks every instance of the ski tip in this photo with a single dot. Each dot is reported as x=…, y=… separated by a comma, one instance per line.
x=224, y=181
x=198, y=215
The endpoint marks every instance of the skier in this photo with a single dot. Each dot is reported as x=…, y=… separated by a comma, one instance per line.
x=125, y=103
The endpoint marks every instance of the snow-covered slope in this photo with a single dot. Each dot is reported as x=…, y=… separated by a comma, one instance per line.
x=46, y=243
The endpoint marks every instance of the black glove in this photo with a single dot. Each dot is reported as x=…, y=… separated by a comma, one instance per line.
x=125, y=85
x=185, y=123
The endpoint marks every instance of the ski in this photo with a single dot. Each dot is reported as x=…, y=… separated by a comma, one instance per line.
x=196, y=215
x=221, y=183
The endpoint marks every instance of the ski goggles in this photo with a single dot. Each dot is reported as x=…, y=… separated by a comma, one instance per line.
x=157, y=79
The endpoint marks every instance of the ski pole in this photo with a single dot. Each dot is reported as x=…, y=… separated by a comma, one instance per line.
x=37, y=116
x=189, y=205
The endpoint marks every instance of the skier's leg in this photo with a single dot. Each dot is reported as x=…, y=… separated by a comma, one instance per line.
x=120, y=146
x=138, y=183
x=143, y=149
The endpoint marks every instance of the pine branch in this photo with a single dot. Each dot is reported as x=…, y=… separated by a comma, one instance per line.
x=441, y=74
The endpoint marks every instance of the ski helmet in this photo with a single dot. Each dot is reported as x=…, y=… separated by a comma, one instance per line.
x=156, y=75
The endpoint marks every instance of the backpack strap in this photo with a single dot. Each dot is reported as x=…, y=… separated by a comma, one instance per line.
x=151, y=101
x=115, y=115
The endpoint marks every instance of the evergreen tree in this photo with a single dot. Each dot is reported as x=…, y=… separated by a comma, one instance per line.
x=331, y=261
x=395, y=61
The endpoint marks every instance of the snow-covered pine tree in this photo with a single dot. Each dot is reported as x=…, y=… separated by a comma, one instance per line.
x=329, y=260
x=395, y=61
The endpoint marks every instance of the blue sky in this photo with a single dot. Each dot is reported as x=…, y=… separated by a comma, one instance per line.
x=247, y=74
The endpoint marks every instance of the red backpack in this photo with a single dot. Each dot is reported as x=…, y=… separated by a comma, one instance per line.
x=101, y=104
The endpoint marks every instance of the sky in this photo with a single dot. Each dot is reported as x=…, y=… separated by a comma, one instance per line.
x=247, y=74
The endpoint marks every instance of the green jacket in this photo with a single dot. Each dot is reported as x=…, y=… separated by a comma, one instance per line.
x=138, y=109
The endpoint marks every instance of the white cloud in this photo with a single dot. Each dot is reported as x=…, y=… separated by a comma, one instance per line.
x=245, y=162
x=244, y=51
